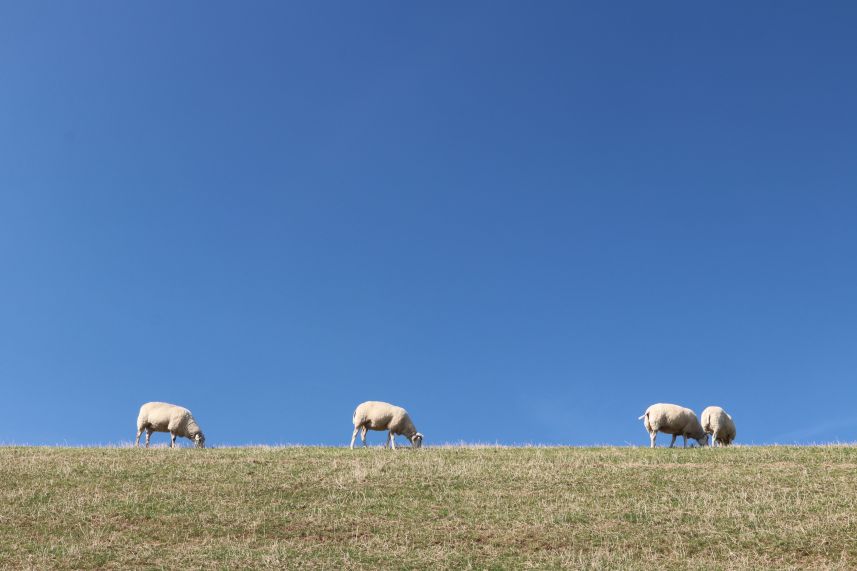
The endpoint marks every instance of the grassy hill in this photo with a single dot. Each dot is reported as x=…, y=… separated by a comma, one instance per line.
x=324, y=508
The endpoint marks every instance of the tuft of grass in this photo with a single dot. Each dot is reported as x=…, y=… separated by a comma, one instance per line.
x=434, y=508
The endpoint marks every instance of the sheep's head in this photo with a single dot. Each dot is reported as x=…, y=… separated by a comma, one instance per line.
x=199, y=440
x=417, y=440
x=703, y=441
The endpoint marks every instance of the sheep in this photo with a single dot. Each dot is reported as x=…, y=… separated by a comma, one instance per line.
x=374, y=415
x=718, y=423
x=675, y=420
x=164, y=417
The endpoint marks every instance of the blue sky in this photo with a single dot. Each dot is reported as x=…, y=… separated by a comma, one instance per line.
x=523, y=222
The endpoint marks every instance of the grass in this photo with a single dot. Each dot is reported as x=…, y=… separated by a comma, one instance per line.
x=435, y=508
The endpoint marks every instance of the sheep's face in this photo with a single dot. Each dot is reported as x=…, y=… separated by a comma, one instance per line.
x=199, y=440
x=703, y=441
x=417, y=440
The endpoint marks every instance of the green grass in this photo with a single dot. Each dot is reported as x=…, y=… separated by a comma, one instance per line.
x=435, y=508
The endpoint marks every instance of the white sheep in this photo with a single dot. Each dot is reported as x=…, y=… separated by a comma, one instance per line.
x=718, y=423
x=374, y=415
x=164, y=417
x=675, y=420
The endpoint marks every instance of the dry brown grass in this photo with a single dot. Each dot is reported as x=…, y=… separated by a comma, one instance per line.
x=461, y=508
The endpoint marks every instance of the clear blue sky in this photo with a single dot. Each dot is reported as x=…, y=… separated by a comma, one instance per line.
x=524, y=222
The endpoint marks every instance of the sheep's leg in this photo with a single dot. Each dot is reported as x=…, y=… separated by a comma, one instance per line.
x=363, y=436
x=652, y=435
x=172, y=439
x=392, y=440
x=684, y=440
x=713, y=439
x=354, y=436
x=672, y=444
x=137, y=441
x=148, y=436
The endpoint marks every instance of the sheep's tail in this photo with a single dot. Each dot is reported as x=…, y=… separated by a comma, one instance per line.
x=645, y=414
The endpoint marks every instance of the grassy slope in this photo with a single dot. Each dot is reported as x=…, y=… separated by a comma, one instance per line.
x=433, y=508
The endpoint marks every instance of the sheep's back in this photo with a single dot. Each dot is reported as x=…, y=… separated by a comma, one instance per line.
x=668, y=418
x=714, y=417
x=377, y=414
x=158, y=414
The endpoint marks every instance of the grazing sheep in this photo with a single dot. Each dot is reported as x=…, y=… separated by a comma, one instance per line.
x=374, y=415
x=718, y=423
x=163, y=417
x=675, y=420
